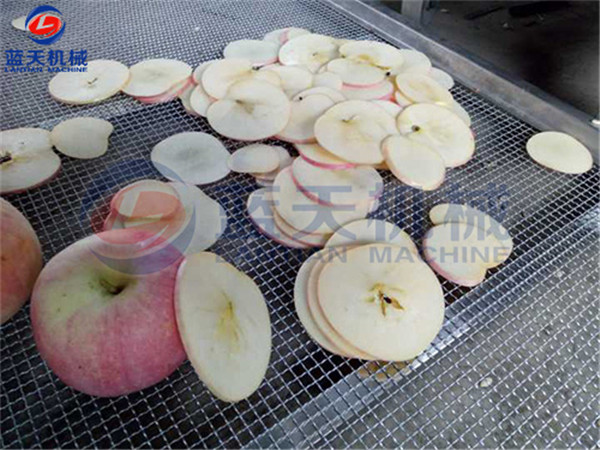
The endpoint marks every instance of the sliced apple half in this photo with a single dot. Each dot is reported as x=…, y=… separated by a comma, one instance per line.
x=26, y=159
x=422, y=89
x=304, y=113
x=440, y=129
x=82, y=137
x=451, y=212
x=155, y=76
x=393, y=109
x=337, y=187
x=222, y=74
x=191, y=157
x=293, y=79
x=306, y=215
x=309, y=50
x=461, y=252
x=19, y=23
x=200, y=101
x=412, y=62
x=257, y=158
x=356, y=73
x=353, y=131
x=103, y=79
x=250, y=111
x=318, y=156
x=334, y=95
x=257, y=52
x=224, y=325
x=146, y=199
x=443, y=78
x=384, y=305
x=371, y=231
x=559, y=151
x=377, y=54
x=414, y=163
x=328, y=79
x=199, y=71
x=283, y=35
x=381, y=91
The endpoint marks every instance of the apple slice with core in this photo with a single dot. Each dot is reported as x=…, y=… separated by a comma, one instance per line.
x=374, y=53
x=257, y=158
x=219, y=76
x=559, y=151
x=440, y=129
x=422, y=89
x=318, y=156
x=304, y=114
x=257, y=52
x=251, y=110
x=191, y=157
x=103, y=79
x=155, y=76
x=309, y=50
x=386, y=306
x=328, y=79
x=293, y=79
x=26, y=159
x=381, y=91
x=355, y=73
x=413, y=163
x=335, y=96
x=443, y=78
x=82, y=137
x=353, y=131
x=146, y=199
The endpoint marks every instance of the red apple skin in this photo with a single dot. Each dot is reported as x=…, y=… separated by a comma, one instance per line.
x=102, y=344
x=20, y=260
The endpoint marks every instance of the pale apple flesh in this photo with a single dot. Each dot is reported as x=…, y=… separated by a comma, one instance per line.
x=254, y=158
x=318, y=156
x=153, y=77
x=559, y=151
x=258, y=53
x=82, y=137
x=146, y=199
x=304, y=113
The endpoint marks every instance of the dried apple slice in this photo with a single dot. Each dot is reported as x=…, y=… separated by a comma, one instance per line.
x=155, y=76
x=335, y=96
x=353, y=131
x=310, y=50
x=257, y=52
x=199, y=71
x=318, y=156
x=146, y=199
x=191, y=157
x=26, y=159
x=374, y=53
x=381, y=91
x=328, y=79
x=200, y=101
x=257, y=158
x=82, y=137
x=422, y=89
x=393, y=109
x=440, y=129
x=293, y=79
x=222, y=74
x=372, y=231
x=224, y=325
x=559, y=151
x=307, y=216
x=250, y=111
x=386, y=306
x=461, y=252
x=337, y=187
x=304, y=113
x=103, y=79
x=451, y=213
x=412, y=62
x=355, y=73
x=413, y=163
x=443, y=78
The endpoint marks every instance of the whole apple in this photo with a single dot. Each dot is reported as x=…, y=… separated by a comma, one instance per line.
x=103, y=314
x=20, y=260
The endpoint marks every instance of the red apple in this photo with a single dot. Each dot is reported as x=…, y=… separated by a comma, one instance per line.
x=20, y=260
x=103, y=315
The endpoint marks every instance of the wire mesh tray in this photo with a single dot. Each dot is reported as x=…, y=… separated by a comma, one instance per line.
x=515, y=363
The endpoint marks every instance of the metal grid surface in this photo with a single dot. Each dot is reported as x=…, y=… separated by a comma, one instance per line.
x=515, y=364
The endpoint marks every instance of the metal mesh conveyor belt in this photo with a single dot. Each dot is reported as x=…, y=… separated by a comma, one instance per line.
x=515, y=365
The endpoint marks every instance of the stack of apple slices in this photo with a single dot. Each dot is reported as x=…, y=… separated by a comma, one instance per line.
x=261, y=161
x=157, y=80
x=464, y=243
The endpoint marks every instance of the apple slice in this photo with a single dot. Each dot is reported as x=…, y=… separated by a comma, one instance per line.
x=257, y=52
x=250, y=111
x=337, y=187
x=461, y=112
x=219, y=76
x=307, y=216
x=393, y=109
x=422, y=89
x=293, y=79
x=19, y=23
x=559, y=151
x=263, y=183
x=191, y=157
x=412, y=62
x=381, y=91
x=374, y=53
x=82, y=137
x=413, y=163
x=328, y=79
x=402, y=100
x=260, y=210
x=304, y=113
x=26, y=159
x=454, y=213
x=185, y=99
x=353, y=131
x=443, y=78
x=283, y=35
x=155, y=76
x=200, y=101
x=384, y=305
x=308, y=239
x=169, y=95
x=372, y=231
x=335, y=96
x=462, y=253
x=285, y=160
x=355, y=73
x=318, y=156
x=257, y=158
x=146, y=199
x=309, y=50
x=199, y=71
x=224, y=325
x=440, y=129
x=103, y=79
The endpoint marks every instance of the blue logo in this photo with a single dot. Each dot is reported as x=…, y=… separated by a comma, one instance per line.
x=45, y=25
